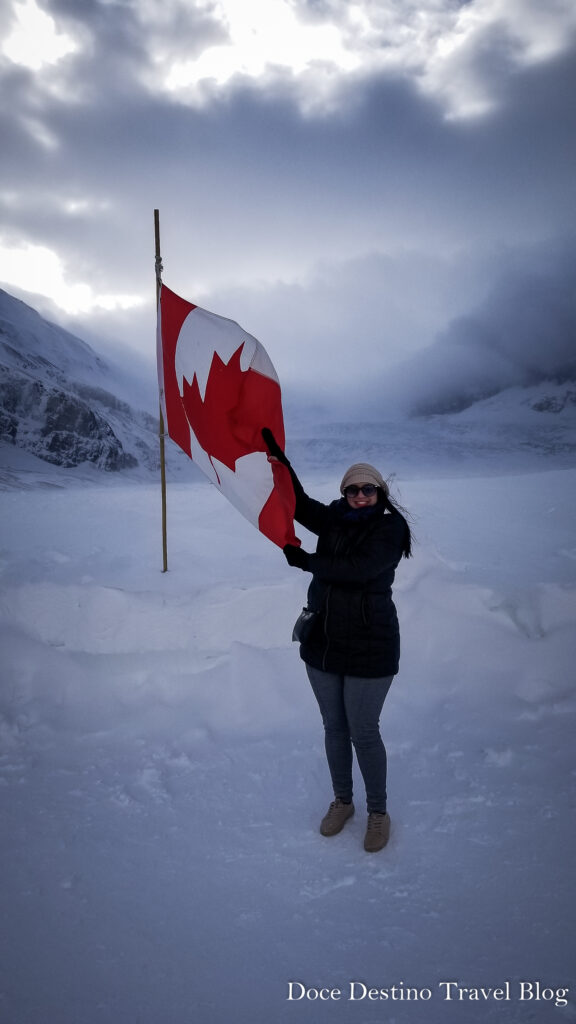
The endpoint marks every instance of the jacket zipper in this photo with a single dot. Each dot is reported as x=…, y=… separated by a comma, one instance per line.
x=363, y=612
x=325, y=655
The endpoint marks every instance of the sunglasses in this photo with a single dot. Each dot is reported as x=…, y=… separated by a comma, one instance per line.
x=367, y=490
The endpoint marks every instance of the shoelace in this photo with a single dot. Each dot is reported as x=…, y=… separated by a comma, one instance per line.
x=375, y=821
x=337, y=805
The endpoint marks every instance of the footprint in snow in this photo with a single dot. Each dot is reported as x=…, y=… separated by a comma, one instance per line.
x=498, y=758
x=561, y=706
x=151, y=780
x=122, y=798
x=321, y=888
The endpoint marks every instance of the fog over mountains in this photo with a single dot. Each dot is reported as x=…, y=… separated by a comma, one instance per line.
x=63, y=403
x=523, y=334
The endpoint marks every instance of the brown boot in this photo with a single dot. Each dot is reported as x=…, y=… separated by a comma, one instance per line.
x=336, y=817
x=377, y=832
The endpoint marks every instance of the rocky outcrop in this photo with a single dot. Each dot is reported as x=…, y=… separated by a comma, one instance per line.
x=53, y=404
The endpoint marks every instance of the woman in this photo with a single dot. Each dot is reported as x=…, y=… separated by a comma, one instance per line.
x=353, y=648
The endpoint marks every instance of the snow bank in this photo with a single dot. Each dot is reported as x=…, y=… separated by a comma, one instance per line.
x=162, y=771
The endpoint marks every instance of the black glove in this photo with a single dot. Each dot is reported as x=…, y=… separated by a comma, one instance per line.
x=275, y=450
x=273, y=446
x=296, y=556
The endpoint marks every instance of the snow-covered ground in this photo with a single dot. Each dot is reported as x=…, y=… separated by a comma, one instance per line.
x=162, y=773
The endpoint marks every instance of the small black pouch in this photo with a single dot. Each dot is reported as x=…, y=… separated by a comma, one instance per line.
x=304, y=625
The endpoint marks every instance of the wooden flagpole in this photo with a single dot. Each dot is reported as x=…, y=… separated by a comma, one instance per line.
x=158, y=265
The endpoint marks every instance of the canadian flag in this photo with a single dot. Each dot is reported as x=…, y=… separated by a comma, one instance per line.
x=218, y=389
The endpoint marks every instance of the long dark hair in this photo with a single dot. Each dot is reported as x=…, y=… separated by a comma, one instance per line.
x=393, y=506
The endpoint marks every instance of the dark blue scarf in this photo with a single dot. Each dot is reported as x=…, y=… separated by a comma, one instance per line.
x=358, y=515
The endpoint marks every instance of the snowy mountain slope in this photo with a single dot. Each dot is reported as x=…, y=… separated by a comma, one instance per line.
x=58, y=398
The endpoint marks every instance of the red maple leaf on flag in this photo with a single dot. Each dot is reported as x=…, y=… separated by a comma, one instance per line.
x=237, y=403
x=224, y=424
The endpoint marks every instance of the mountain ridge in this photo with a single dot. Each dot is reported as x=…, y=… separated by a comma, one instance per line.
x=65, y=405
x=58, y=398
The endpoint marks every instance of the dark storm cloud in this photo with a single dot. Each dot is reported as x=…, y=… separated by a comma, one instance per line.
x=134, y=32
x=19, y=151
x=249, y=178
x=379, y=222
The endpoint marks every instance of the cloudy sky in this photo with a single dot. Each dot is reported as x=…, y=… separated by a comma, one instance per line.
x=371, y=187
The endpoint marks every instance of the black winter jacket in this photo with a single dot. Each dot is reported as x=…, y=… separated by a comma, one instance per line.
x=356, y=631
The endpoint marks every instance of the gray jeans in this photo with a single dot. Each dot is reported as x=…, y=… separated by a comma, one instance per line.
x=350, y=707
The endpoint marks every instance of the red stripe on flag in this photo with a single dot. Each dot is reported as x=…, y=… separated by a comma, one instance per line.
x=173, y=312
x=276, y=520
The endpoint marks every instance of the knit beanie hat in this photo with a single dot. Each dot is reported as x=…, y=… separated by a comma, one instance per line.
x=363, y=473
